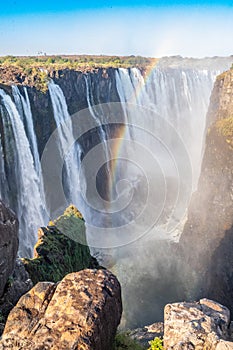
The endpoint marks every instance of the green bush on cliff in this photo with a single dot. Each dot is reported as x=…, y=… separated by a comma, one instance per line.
x=124, y=342
x=225, y=128
x=59, y=251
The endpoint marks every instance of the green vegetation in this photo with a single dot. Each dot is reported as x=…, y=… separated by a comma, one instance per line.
x=78, y=62
x=156, y=344
x=36, y=69
x=225, y=128
x=58, y=250
x=124, y=342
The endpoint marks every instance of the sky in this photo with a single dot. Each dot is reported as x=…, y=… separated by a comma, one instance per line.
x=131, y=27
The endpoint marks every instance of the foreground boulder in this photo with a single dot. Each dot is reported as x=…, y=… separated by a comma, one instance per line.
x=81, y=312
x=8, y=243
x=200, y=325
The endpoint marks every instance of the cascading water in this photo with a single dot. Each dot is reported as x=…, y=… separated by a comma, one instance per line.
x=4, y=190
x=178, y=95
x=99, y=122
x=73, y=158
x=29, y=203
x=24, y=109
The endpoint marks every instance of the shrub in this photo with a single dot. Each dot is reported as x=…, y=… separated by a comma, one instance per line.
x=156, y=344
x=124, y=342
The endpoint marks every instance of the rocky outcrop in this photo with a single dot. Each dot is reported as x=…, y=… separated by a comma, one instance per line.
x=8, y=243
x=61, y=249
x=81, y=312
x=200, y=325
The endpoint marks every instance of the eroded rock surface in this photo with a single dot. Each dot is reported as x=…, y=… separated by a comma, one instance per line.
x=199, y=325
x=81, y=312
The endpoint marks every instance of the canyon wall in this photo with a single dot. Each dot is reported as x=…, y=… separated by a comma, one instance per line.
x=207, y=237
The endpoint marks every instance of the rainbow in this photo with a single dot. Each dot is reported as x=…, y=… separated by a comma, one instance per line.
x=117, y=143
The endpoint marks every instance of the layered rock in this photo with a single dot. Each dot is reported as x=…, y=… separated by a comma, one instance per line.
x=8, y=243
x=200, y=325
x=61, y=249
x=81, y=312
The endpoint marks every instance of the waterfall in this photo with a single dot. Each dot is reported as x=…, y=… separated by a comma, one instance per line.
x=73, y=158
x=99, y=122
x=4, y=190
x=29, y=204
x=178, y=95
x=24, y=109
x=176, y=92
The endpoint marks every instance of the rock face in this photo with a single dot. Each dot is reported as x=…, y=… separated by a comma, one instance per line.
x=81, y=312
x=8, y=243
x=206, y=243
x=18, y=284
x=201, y=325
x=61, y=249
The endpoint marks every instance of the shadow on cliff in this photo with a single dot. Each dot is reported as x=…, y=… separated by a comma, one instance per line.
x=219, y=275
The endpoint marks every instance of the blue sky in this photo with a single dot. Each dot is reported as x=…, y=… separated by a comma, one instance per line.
x=149, y=28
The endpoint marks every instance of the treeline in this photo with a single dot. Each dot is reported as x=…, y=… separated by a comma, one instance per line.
x=75, y=61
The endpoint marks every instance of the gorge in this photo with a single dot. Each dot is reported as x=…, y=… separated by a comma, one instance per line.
x=131, y=171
